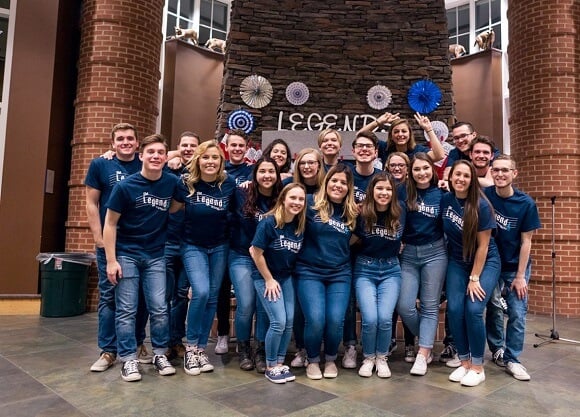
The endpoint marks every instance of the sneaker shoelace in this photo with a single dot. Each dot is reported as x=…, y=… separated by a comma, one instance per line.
x=191, y=359
x=131, y=367
x=202, y=357
x=277, y=370
x=162, y=361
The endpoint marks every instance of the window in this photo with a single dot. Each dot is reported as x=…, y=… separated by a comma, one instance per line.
x=210, y=18
x=458, y=23
x=4, y=17
x=467, y=19
x=487, y=17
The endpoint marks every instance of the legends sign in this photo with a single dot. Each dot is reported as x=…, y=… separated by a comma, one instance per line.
x=316, y=121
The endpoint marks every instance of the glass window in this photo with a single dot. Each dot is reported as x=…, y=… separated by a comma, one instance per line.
x=481, y=14
x=205, y=13
x=4, y=4
x=463, y=19
x=487, y=16
x=220, y=16
x=172, y=6
x=3, y=36
x=495, y=11
x=186, y=8
x=452, y=21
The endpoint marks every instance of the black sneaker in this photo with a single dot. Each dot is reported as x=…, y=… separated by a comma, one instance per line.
x=498, y=358
x=204, y=365
x=447, y=354
x=162, y=365
x=130, y=371
x=191, y=363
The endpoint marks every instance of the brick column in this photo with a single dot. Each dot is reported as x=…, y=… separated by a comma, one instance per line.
x=544, y=62
x=118, y=81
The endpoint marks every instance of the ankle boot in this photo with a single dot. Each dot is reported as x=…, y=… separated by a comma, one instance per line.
x=245, y=356
x=260, y=358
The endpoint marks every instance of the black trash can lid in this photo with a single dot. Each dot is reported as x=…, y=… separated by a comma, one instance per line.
x=82, y=258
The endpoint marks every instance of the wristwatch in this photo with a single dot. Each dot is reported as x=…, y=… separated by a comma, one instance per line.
x=474, y=278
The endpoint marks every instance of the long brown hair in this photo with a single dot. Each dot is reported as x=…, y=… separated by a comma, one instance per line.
x=470, y=210
x=391, y=147
x=278, y=210
x=412, y=184
x=323, y=205
x=250, y=207
x=369, y=209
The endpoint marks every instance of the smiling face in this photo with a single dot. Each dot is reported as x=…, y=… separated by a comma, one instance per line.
x=294, y=202
x=187, y=146
x=265, y=176
x=382, y=194
x=400, y=135
x=279, y=154
x=481, y=155
x=308, y=166
x=422, y=173
x=397, y=167
x=209, y=164
x=461, y=179
x=154, y=157
x=503, y=173
x=364, y=150
x=330, y=144
x=462, y=137
x=236, y=148
x=337, y=187
x=125, y=144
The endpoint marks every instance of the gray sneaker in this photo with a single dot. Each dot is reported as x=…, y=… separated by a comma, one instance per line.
x=105, y=361
x=191, y=363
x=162, y=365
x=204, y=365
x=130, y=371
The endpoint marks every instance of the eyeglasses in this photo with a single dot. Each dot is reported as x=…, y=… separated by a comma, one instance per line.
x=461, y=136
x=364, y=145
x=502, y=170
x=304, y=163
x=397, y=166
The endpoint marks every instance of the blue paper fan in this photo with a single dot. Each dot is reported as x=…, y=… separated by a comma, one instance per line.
x=241, y=119
x=424, y=96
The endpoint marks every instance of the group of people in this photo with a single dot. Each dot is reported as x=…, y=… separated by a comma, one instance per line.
x=304, y=243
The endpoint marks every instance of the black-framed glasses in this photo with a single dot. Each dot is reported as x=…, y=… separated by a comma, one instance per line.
x=364, y=145
x=461, y=136
x=401, y=166
x=502, y=170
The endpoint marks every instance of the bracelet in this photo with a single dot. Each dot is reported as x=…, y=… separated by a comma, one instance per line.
x=429, y=131
x=378, y=124
x=474, y=278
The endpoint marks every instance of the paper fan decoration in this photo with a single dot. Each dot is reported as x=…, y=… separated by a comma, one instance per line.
x=424, y=96
x=256, y=91
x=241, y=119
x=297, y=93
x=440, y=129
x=379, y=97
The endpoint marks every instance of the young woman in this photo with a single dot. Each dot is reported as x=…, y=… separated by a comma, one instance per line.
x=250, y=204
x=274, y=250
x=474, y=268
x=424, y=258
x=398, y=166
x=323, y=268
x=279, y=152
x=207, y=194
x=377, y=272
x=329, y=143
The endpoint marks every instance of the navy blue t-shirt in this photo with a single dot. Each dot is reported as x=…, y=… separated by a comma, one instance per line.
x=380, y=243
x=206, y=212
x=243, y=227
x=452, y=212
x=310, y=189
x=514, y=215
x=280, y=246
x=103, y=174
x=361, y=183
x=424, y=225
x=144, y=208
x=240, y=173
x=325, y=253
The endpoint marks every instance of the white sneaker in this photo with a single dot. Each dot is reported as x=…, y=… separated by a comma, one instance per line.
x=420, y=366
x=518, y=371
x=472, y=378
x=458, y=374
x=366, y=369
x=453, y=363
x=382, y=365
x=330, y=370
x=221, y=346
x=349, y=358
x=300, y=359
x=313, y=371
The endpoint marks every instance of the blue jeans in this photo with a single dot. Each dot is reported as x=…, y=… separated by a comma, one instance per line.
x=176, y=293
x=349, y=330
x=205, y=268
x=466, y=316
x=423, y=275
x=377, y=282
x=516, y=325
x=281, y=317
x=151, y=274
x=494, y=324
x=298, y=319
x=241, y=270
x=324, y=305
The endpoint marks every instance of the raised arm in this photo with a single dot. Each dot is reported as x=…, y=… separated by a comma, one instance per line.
x=437, y=152
x=383, y=119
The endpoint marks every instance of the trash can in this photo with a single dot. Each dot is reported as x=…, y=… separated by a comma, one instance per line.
x=64, y=279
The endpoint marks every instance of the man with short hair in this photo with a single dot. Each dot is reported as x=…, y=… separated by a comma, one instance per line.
x=517, y=219
x=134, y=237
x=481, y=154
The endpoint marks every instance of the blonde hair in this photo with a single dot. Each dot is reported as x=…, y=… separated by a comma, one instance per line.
x=298, y=175
x=324, y=206
x=325, y=132
x=193, y=166
x=278, y=209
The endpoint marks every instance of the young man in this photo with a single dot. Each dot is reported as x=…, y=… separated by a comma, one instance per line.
x=134, y=237
x=177, y=283
x=517, y=219
x=364, y=150
x=102, y=176
x=481, y=154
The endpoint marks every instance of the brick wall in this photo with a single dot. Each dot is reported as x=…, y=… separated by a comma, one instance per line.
x=544, y=55
x=339, y=49
x=118, y=80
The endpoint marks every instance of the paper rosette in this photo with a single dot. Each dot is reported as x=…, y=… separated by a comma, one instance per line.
x=241, y=119
x=256, y=91
x=440, y=129
x=424, y=96
x=297, y=93
x=379, y=97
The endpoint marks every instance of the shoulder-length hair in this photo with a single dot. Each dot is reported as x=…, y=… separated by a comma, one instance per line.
x=412, y=184
x=278, y=210
x=325, y=132
x=470, y=210
x=320, y=174
x=250, y=207
x=193, y=166
x=268, y=153
x=369, y=209
x=324, y=206
x=391, y=147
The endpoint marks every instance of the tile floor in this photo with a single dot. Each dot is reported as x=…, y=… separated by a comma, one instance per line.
x=44, y=371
